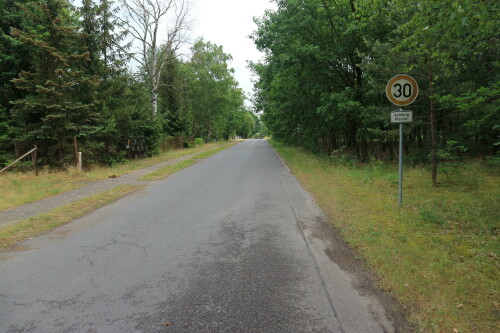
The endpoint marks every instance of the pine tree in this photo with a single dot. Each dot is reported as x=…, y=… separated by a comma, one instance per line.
x=59, y=104
x=13, y=58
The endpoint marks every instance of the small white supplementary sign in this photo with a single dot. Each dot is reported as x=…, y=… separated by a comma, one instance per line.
x=401, y=116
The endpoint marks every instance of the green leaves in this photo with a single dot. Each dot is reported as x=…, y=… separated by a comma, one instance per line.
x=216, y=102
x=323, y=78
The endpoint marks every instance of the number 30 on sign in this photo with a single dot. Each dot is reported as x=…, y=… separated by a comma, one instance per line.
x=402, y=89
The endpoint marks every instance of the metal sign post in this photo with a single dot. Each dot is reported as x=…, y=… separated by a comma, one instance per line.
x=401, y=90
x=400, y=191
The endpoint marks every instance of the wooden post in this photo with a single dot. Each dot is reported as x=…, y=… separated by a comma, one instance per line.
x=79, y=163
x=20, y=158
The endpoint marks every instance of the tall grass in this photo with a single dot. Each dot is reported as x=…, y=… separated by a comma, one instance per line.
x=20, y=188
x=438, y=254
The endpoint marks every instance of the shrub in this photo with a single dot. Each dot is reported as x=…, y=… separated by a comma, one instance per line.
x=198, y=142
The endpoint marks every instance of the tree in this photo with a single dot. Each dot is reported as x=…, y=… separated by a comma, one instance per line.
x=311, y=83
x=213, y=92
x=321, y=82
x=248, y=125
x=172, y=98
x=14, y=57
x=144, y=21
x=59, y=92
x=104, y=38
x=453, y=68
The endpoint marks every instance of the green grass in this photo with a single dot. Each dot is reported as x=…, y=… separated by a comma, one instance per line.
x=20, y=188
x=438, y=254
x=168, y=170
x=171, y=169
x=209, y=153
x=14, y=233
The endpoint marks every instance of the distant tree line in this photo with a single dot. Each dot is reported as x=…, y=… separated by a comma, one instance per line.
x=65, y=85
x=322, y=82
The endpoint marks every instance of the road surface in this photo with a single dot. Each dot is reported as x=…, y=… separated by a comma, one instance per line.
x=231, y=244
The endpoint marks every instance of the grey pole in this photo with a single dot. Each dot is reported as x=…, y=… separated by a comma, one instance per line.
x=400, y=195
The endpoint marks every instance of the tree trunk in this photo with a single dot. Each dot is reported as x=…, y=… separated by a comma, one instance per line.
x=432, y=114
x=209, y=127
x=60, y=148
x=76, y=151
x=154, y=103
x=155, y=83
x=16, y=147
x=363, y=145
x=420, y=142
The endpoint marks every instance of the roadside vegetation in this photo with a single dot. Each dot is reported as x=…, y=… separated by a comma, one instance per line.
x=439, y=255
x=321, y=88
x=17, y=188
x=12, y=234
x=29, y=187
x=66, y=83
x=171, y=169
x=321, y=84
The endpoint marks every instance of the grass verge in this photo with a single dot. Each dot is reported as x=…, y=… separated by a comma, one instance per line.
x=21, y=188
x=168, y=170
x=209, y=153
x=15, y=233
x=171, y=169
x=438, y=254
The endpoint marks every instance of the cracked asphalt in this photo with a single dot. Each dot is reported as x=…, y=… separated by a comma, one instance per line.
x=231, y=244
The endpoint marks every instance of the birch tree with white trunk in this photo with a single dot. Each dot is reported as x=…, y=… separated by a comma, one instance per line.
x=160, y=27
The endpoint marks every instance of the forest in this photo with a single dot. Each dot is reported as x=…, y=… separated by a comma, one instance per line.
x=99, y=77
x=321, y=84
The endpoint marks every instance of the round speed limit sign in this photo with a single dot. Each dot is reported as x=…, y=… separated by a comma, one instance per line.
x=402, y=89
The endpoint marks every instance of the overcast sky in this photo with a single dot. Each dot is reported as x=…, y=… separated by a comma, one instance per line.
x=229, y=23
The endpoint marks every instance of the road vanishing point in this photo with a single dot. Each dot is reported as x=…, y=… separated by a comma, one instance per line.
x=230, y=244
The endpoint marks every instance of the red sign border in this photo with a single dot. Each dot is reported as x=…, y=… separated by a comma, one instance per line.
x=411, y=99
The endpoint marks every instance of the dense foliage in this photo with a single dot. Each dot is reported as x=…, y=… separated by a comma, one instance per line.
x=200, y=97
x=65, y=86
x=321, y=84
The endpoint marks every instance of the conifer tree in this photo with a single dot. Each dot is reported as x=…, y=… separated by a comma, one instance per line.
x=60, y=91
x=13, y=59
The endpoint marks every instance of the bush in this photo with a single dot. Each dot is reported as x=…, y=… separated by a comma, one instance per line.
x=198, y=142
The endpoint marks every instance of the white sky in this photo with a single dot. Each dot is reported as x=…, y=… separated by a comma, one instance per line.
x=229, y=23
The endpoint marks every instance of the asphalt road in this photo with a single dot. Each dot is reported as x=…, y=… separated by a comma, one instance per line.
x=231, y=244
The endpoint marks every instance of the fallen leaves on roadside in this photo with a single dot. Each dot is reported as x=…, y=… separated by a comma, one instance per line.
x=166, y=324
